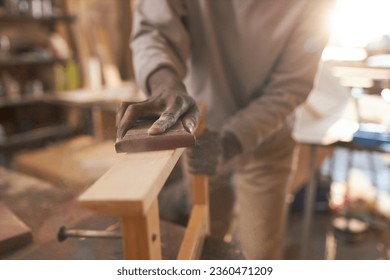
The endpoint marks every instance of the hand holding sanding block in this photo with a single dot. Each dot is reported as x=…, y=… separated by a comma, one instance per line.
x=137, y=138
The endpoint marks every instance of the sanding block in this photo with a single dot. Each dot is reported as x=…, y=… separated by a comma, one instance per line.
x=137, y=138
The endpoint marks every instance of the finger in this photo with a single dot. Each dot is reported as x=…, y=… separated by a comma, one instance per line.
x=122, y=109
x=169, y=117
x=190, y=119
x=131, y=114
x=119, y=113
x=166, y=120
x=128, y=119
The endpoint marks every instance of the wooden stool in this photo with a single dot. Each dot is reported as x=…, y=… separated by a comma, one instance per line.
x=130, y=189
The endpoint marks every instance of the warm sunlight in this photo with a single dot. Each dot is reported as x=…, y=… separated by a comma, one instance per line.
x=355, y=23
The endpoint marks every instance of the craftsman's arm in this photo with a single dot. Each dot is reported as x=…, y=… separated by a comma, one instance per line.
x=288, y=85
x=159, y=39
x=160, y=45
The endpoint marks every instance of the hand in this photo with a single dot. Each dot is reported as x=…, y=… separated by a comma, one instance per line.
x=212, y=151
x=205, y=156
x=169, y=101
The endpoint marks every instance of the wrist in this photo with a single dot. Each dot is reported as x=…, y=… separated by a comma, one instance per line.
x=164, y=78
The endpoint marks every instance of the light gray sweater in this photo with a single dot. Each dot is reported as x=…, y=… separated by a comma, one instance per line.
x=251, y=61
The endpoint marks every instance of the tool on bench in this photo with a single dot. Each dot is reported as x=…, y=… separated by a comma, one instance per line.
x=65, y=233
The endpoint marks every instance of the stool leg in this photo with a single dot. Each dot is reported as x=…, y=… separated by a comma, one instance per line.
x=141, y=235
x=200, y=191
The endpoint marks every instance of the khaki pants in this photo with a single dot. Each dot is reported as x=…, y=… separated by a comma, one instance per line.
x=258, y=187
x=260, y=181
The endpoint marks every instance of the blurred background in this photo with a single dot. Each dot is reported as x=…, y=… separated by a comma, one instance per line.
x=65, y=65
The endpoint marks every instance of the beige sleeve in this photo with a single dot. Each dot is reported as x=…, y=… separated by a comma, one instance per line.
x=288, y=85
x=159, y=38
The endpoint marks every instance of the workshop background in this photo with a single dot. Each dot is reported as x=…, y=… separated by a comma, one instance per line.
x=65, y=65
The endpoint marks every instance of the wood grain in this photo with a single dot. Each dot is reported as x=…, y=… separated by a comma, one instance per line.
x=141, y=235
x=195, y=234
x=132, y=184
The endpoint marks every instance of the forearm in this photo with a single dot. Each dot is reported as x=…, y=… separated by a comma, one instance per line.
x=159, y=39
x=266, y=115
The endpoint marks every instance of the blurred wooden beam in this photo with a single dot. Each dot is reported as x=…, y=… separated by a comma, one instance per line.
x=126, y=8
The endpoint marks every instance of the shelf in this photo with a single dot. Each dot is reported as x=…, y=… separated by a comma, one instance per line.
x=36, y=136
x=29, y=19
x=26, y=100
x=16, y=61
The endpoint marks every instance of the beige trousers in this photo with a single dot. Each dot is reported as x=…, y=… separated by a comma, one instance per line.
x=257, y=187
x=259, y=182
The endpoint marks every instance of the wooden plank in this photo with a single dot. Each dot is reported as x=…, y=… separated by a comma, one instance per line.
x=13, y=232
x=141, y=235
x=195, y=234
x=132, y=184
x=137, y=138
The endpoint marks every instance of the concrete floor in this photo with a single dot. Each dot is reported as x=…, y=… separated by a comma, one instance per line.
x=45, y=207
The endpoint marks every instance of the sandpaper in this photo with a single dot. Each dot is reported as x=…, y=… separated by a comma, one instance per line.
x=137, y=138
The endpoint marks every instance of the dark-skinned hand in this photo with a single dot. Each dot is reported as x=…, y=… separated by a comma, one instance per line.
x=169, y=101
x=212, y=150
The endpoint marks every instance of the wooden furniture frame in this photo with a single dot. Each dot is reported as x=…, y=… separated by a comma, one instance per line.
x=129, y=190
